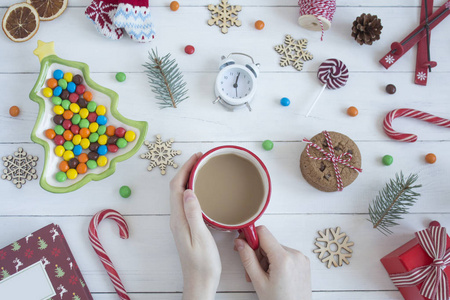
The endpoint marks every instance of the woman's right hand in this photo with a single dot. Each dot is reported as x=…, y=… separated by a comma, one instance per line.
x=277, y=272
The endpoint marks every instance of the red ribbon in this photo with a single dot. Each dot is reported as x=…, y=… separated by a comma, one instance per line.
x=330, y=156
x=435, y=283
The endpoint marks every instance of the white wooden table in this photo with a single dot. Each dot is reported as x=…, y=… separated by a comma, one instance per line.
x=148, y=261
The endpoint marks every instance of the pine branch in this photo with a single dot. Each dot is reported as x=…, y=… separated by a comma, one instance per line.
x=392, y=202
x=166, y=80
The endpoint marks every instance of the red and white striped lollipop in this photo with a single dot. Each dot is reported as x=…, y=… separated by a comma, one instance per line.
x=333, y=73
x=104, y=258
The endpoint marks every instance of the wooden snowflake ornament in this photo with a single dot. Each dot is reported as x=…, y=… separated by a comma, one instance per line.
x=19, y=168
x=293, y=52
x=224, y=15
x=333, y=247
x=160, y=154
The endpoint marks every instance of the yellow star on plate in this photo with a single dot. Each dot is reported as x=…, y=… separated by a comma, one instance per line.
x=44, y=49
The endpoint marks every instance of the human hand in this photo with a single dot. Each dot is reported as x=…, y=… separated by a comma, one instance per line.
x=199, y=257
x=277, y=272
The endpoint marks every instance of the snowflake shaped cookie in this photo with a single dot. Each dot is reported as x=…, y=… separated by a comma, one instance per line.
x=293, y=52
x=224, y=15
x=19, y=168
x=333, y=247
x=160, y=154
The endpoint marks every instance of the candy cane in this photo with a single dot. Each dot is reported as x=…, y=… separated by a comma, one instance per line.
x=412, y=113
x=104, y=258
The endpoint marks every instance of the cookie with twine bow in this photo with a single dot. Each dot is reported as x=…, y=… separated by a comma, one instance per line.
x=330, y=161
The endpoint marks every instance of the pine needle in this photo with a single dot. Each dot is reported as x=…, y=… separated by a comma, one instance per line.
x=166, y=80
x=392, y=202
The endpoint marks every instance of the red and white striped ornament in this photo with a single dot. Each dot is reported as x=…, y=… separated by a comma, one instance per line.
x=316, y=14
x=104, y=258
x=411, y=113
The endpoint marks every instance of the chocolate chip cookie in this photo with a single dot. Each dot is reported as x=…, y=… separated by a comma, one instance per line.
x=321, y=173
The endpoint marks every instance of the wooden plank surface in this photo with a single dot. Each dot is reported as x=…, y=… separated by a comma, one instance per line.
x=148, y=262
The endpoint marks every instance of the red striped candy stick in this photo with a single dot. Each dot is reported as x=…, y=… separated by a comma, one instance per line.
x=104, y=258
x=411, y=113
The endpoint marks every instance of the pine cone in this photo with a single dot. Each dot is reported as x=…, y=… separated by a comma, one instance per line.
x=366, y=29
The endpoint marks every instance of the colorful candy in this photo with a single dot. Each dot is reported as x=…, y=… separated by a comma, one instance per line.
x=430, y=158
x=267, y=145
x=189, y=49
x=81, y=135
x=259, y=25
x=285, y=101
x=174, y=6
x=387, y=160
x=121, y=77
x=125, y=191
x=352, y=111
x=391, y=89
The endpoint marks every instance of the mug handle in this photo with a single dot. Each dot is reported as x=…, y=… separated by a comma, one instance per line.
x=251, y=236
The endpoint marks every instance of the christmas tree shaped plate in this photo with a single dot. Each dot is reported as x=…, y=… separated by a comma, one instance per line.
x=78, y=124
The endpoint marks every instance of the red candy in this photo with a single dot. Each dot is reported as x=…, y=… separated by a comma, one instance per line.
x=92, y=117
x=67, y=124
x=120, y=132
x=73, y=98
x=75, y=129
x=59, y=140
x=113, y=148
x=189, y=49
x=80, y=89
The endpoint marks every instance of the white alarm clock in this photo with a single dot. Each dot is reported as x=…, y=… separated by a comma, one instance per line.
x=236, y=83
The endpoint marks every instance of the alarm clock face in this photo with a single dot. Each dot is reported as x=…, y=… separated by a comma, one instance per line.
x=235, y=83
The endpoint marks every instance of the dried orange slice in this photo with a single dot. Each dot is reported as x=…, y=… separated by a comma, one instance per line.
x=20, y=22
x=49, y=9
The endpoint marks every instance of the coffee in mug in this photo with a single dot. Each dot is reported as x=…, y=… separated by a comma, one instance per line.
x=230, y=189
x=233, y=187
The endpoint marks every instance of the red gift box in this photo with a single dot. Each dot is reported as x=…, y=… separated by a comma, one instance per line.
x=406, y=258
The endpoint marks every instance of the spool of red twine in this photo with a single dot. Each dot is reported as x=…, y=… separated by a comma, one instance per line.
x=316, y=14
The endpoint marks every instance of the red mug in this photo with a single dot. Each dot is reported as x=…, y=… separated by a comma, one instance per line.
x=247, y=227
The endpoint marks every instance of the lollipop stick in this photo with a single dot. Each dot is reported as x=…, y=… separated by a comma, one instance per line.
x=315, y=101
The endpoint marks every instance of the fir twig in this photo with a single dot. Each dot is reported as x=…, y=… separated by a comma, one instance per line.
x=166, y=79
x=392, y=202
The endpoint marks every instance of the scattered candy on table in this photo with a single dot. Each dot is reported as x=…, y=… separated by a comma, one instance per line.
x=80, y=125
x=189, y=49
x=285, y=101
x=259, y=25
x=174, y=6
x=352, y=111
x=120, y=77
x=387, y=160
x=430, y=158
x=267, y=145
x=391, y=89
x=14, y=111
x=125, y=191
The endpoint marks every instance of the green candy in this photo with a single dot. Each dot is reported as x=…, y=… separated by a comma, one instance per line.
x=92, y=106
x=59, y=130
x=267, y=145
x=76, y=119
x=101, y=129
x=62, y=83
x=56, y=100
x=121, y=143
x=84, y=123
x=91, y=164
x=125, y=191
x=68, y=145
x=93, y=137
x=388, y=160
x=61, y=176
x=65, y=104
x=121, y=77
